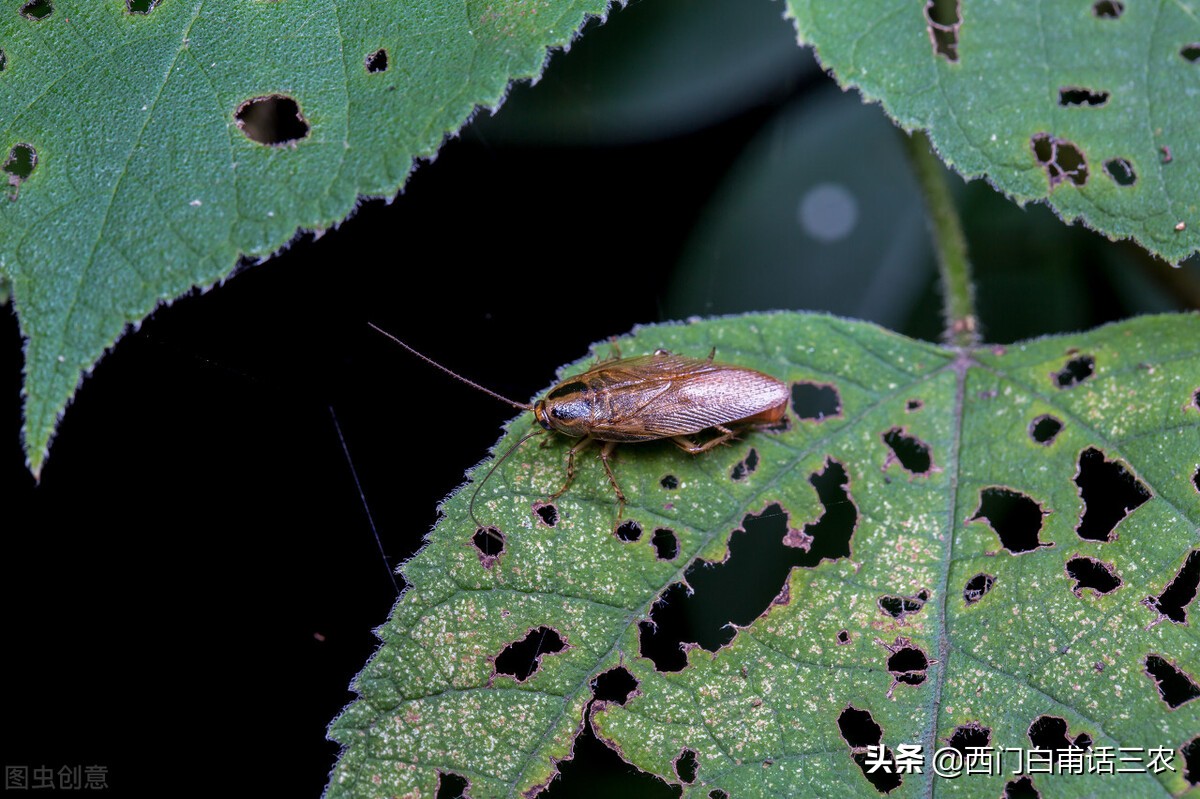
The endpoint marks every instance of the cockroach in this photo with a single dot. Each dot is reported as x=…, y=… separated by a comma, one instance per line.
x=644, y=398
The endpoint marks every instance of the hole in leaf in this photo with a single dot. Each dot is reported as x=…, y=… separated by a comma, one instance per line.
x=596, y=769
x=1015, y=518
x=660, y=638
x=522, y=658
x=141, y=6
x=1050, y=733
x=489, y=541
x=1075, y=95
x=970, y=736
x=1061, y=158
x=1174, y=685
x=3, y=59
x=831, y=532
x=1093, y=574
x=1173, y=601
x=818, y=401
x=37, y=9
x=943, y=19
x=717, y=793
x=913, y=405
x=21, y=161
x=669, y=482
x=377, y=61
x=666, y=545
x=1191, y=52
x=900, y=606
x=1021, y=788
x=744, y=468
x=860, y=731
x=843, y=637
x=1045, y=429
x=1109, y=493
x=1191, y=760
x=629, y=531
x=547, y=512
x=907, y=663
x=977, y=587
x=1121, y=171
x=912, y=452
x=1108, y=9
x=751, y=578
x=451, y=785
x=884, y=779
x=858, y=728
x=686, y=766
x=273, y=119
x=1075, y=372
x=614, y=685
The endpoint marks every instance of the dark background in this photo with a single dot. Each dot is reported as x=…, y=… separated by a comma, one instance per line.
x=192, y=586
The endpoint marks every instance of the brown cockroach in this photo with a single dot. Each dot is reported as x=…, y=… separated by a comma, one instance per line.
x=645, y=398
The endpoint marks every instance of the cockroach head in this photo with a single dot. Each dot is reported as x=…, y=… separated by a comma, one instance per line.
x=540, y=414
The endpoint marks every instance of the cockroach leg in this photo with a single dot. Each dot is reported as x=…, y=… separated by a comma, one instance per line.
x=614, y=353
x=578, y=446
x=605, y=451
x=692, y=448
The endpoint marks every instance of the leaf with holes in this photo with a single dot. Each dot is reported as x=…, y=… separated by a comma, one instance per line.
x=1089, y=106
x=997, y=548
x=147, y=148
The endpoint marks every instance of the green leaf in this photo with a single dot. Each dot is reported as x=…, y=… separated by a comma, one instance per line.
x=682, y=65
x=131, y=179
x=1023, y=94
x=906, y=548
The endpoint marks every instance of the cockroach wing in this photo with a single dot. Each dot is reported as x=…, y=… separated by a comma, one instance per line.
x=662, y=396
x=724, y=396
x=645, y=371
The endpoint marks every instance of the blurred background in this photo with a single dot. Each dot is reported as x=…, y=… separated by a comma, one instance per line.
x=193, y=584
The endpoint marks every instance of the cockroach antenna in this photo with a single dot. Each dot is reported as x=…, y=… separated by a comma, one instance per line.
x=455, y=375
x=495, y=466
x=363, y=498
x=472, y=384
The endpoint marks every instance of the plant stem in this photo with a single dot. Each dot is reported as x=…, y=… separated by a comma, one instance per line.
x=962, y=328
